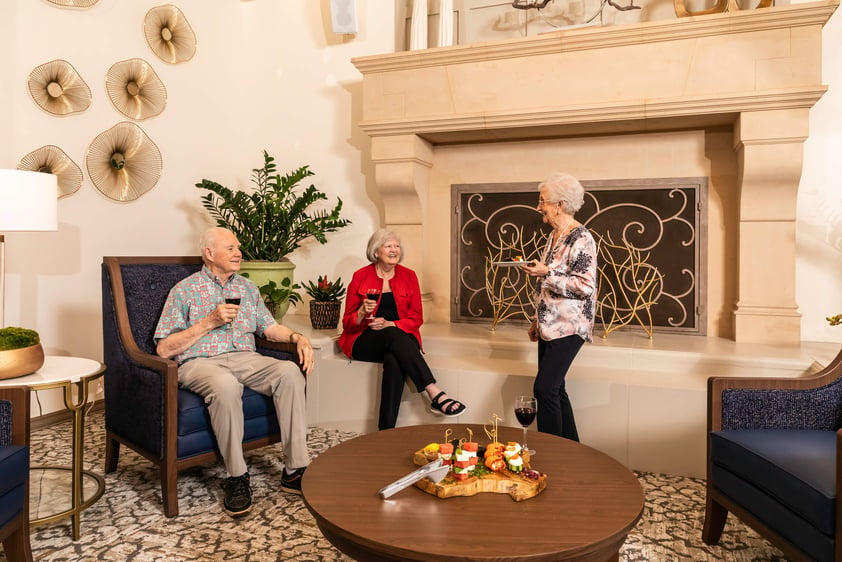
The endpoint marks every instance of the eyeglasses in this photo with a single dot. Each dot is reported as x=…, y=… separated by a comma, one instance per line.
x=542, y=201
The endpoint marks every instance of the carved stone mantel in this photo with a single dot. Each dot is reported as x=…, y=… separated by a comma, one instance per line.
x=755, y=73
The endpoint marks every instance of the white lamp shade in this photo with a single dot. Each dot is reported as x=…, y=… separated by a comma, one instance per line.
x=28, y=201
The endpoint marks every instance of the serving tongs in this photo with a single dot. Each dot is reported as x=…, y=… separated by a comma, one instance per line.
x=433, y=471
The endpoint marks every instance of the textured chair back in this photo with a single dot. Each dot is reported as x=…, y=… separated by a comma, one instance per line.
x=813, y=408
x=5, y=422
x=146, y=282
x=146, y=289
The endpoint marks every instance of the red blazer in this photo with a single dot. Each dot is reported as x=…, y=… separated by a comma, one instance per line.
x=407, y=295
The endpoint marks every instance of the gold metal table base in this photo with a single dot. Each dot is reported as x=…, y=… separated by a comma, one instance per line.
x=43, y=506
x=77, y=406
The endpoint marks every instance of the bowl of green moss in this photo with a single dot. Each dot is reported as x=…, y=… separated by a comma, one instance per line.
x=20, y=352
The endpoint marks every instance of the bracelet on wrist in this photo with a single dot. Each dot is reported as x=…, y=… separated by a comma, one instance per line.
x=293, y=334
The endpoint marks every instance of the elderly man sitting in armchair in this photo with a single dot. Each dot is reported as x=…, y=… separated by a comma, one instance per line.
x=211, y=335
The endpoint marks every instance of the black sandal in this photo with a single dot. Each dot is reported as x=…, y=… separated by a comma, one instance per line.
x=445, y=407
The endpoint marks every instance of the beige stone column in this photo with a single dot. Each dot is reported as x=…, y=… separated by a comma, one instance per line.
x=769, y=147
x=402, y=167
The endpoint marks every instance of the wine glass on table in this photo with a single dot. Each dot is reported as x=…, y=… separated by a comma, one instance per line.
x=372, y=295
x=526, y=407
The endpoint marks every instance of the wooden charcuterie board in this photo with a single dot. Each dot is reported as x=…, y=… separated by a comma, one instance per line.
x=516, y=485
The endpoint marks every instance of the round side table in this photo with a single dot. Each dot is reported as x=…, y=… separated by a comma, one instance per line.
x=67, y=373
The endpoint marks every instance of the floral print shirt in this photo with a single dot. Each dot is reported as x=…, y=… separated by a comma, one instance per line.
x=196, y=296
x=565, y=299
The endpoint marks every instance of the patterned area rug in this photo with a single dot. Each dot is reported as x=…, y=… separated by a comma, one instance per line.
x=127, y=523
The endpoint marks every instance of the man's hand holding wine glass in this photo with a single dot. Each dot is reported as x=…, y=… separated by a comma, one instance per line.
x=228, y=309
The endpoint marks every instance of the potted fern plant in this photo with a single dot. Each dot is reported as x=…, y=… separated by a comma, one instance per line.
x=272, y=220
x=326, y=303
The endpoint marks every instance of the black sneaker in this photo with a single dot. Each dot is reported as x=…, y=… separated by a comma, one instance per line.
x=292, y=482
x=237, y=500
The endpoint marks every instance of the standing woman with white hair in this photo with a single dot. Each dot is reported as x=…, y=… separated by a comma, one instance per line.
x=385, y=328
x=565, y=300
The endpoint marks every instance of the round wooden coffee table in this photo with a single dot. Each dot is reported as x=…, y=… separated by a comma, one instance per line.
x=588, y=508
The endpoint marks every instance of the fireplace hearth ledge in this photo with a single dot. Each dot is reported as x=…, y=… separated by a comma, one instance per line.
x=641, y=401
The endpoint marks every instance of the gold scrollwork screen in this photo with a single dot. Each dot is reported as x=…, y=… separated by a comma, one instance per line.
x=658, y=222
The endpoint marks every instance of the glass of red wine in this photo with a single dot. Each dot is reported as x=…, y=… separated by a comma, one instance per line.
x=526, y=407
x=372, y=295
x=233, y=298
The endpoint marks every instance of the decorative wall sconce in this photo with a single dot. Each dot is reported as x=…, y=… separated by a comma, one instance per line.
x=343, y=16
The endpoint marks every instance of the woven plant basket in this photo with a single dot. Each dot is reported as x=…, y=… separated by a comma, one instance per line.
x=324, y=314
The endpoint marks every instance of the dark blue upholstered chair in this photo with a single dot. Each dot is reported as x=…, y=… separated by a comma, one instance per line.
x=14, y=473
x=144, y=407
x=774, y=460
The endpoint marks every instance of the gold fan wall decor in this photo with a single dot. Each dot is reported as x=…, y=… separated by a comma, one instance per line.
x=58, y=89
x=123, y=162
x=53, y=160
x=169, y=35
x=73, y=3
x=135, y=89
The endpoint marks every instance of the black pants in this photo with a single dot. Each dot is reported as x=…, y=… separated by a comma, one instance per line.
x=555, y=413
x=401, y=356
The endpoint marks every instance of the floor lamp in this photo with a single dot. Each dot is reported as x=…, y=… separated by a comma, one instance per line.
x=28, y=202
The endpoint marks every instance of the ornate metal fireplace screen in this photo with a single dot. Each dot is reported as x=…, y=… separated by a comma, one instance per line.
x=652, y=240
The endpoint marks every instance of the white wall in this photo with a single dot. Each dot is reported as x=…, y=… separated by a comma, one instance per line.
x=266, y=74
x=819, y=233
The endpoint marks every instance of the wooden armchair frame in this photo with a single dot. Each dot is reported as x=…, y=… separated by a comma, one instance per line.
x=717, y=504
x=15, y=535
x=168, y=461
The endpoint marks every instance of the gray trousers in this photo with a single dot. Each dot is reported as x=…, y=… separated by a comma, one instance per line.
x=220, y=380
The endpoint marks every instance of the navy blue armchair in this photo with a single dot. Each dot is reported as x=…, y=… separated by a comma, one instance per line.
x=774, y=460
x=145, y=409
x=14, y=473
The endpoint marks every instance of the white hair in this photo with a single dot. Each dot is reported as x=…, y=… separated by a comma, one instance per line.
x=377, y=240
x=564, y=189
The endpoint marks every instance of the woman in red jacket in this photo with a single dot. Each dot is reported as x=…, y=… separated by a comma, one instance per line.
x=383, y=328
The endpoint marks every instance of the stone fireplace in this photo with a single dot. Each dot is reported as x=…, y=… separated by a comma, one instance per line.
x=722, y=96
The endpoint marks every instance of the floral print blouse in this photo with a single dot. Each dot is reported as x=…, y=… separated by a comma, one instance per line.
x=565, y=299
